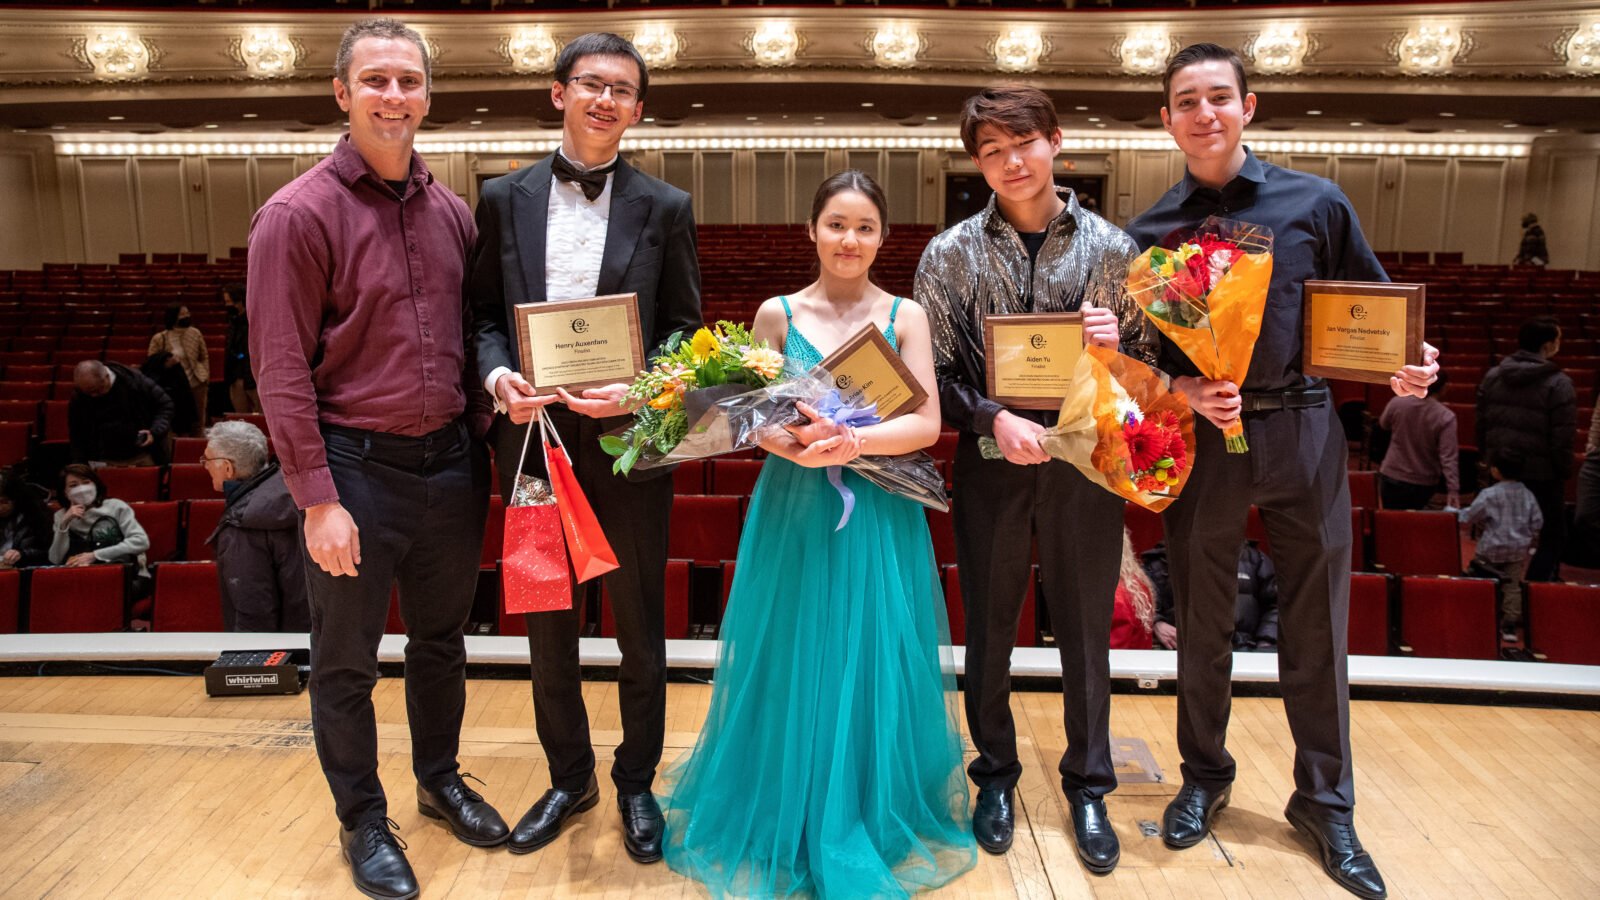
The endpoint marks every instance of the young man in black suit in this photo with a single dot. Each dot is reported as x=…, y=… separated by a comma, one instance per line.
x=584, y=223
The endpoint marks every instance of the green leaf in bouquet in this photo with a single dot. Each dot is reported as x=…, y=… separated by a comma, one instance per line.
x=624, y=464
x=613, y=445
x=673, y=342
x=712, y=373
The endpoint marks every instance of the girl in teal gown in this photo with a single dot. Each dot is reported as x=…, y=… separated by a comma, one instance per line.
x=830, y=760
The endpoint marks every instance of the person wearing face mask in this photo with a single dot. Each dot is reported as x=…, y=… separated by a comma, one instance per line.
x=185, y=350
x=91, y=528
x=260, y=557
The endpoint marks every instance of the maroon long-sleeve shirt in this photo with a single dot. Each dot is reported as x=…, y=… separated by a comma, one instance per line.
x=356, y=314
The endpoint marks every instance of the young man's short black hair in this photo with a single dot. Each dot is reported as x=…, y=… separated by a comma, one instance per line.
x=1537, y=332
x=1199, y=53
x=601, y=43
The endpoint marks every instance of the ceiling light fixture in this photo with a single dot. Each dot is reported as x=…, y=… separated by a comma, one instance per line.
x=895, y=46
x=1019, y=49
x=531, y=49
x=775, y=43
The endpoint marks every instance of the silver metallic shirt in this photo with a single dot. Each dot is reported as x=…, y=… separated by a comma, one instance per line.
x=980, y=267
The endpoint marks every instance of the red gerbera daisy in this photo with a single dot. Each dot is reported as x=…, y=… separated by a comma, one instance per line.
x=1146, y=443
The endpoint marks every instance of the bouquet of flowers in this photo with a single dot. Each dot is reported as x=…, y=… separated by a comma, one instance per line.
x=1206, y=291
x=703, y=397
x=1124, y=429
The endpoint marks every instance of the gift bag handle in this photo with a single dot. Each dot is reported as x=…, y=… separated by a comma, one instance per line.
x=546, y=431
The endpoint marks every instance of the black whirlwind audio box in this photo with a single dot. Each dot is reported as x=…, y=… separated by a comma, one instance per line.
x=240, y=672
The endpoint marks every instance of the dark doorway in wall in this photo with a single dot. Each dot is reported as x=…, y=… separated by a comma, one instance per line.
x=966, y=195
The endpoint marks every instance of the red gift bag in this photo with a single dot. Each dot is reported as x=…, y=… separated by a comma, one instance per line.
x=534, y=575
x=591, y=553
x=534, y=572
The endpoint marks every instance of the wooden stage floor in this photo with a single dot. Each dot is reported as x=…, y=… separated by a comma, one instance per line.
x=141, y=786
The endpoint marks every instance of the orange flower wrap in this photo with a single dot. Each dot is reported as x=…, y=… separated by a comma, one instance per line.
x=1222, y=343
x=1089, y=433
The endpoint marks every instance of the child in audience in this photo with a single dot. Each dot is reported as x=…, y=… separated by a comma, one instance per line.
x=1510, y=519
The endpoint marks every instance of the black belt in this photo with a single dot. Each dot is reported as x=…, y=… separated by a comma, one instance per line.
x=1264, y=401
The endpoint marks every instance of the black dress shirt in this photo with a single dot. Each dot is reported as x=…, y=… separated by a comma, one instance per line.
x=1315, y=236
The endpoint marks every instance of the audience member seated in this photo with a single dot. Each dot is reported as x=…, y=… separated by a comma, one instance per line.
x=1509, y=516
x=1133, y=609
x=117, y=417
x=1255, y=609
x=1423, y=451
x=24, y=523
x=181, y=350
x=92, y=528
x=258, y=543
x=1527, y=404
x=236, y=373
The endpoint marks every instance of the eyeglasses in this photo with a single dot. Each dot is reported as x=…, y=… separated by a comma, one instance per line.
x=212, y=459
x=622, y=92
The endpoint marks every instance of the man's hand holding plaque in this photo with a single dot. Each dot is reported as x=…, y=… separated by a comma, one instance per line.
x=581, y=352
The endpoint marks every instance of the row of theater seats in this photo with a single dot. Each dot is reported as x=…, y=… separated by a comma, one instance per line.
x=1450, y=618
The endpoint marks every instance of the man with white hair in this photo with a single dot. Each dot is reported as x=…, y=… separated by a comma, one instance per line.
x=260, y=563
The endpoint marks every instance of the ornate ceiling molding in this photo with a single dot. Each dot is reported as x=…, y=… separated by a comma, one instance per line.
x=1519, y=44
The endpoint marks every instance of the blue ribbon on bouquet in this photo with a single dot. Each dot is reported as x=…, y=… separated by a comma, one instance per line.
x=833, y=407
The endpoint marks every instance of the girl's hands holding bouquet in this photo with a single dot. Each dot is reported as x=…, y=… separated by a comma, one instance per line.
x=838, y=450
x=818, y=428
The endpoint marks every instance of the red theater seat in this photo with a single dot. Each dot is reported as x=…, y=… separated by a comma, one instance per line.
x=677, y=603
x=132, y=483
x=1144, y=527
x=10, y=601
x=1450, y=618
x=188, y=449
x=201, y=518
x=26, y=391
x=1369, y=614
x=735, y=477
x=689, y=477
x=1564, y=622
x=14, y=442
x=1364, y=489
x=705, y=529
x=77, y=599
x=160, y=521
x=190, y=481
x=187, y=597
x=1416, y=542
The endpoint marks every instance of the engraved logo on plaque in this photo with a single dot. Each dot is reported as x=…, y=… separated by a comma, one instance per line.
x=843, y=382
x=579, y=326
x=1358, y=312
x=1038, y=341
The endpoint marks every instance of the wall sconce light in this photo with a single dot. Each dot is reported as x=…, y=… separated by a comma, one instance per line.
x=775, y=43
x=531, y=49
x=1019, y=49
x=896, y=46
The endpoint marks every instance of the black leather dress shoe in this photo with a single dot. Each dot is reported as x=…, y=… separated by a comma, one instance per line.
x=993, y=819
x=641, y=826
x=471, y=819
x=1343, y=857
x=1187, y=820
x=377, y=863
x=543, y=821
x=1097, y=841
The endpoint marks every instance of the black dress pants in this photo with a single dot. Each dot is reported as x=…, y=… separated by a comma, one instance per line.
x=419, y=504
x=1295, y=474
x=633, y=514
x=1000, y=509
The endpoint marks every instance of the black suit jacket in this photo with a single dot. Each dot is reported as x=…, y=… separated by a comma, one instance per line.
x=650, y=251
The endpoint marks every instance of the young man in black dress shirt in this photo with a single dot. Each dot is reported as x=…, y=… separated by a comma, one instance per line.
x=1295, y=472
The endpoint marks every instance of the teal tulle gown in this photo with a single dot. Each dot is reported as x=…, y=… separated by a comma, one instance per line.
x=830, y=760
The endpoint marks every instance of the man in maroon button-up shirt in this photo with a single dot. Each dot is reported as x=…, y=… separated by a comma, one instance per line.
x=358, y=341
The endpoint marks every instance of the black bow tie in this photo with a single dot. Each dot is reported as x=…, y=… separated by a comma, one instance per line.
x=591, y=181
